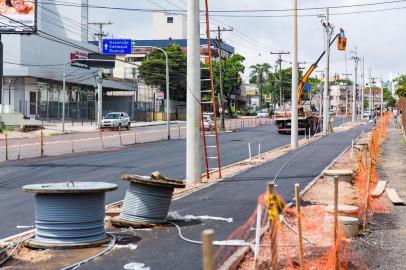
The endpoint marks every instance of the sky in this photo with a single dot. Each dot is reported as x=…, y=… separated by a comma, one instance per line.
x=380, y=37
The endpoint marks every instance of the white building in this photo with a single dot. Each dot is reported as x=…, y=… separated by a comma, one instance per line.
x=34, y=65
x=169, y=26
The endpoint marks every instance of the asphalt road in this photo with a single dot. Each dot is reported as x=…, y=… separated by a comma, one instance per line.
x=162, y=248
x=16, y=207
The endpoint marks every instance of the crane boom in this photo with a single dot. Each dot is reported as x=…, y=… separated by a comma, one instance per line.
x=309, y=72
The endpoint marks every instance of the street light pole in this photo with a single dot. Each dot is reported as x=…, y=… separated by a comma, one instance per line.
x=294, y=112
x=168, y=122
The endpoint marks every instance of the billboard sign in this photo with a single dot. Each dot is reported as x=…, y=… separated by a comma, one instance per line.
x=18, y=16
x=117, y=46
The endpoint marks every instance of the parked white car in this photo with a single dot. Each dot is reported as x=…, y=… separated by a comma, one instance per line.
x=208, y=122
x=263, y=113
x=116, y=120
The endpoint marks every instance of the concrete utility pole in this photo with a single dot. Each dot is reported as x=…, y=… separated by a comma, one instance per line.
x=362, y=87
x=370, y=91
x=219, y=30
x=193, y=95
x=295, y=79
x=381, y=95
x=354, y=90
x=346, y=92
x=99, y=79
x=326, y=94
x=279, y=63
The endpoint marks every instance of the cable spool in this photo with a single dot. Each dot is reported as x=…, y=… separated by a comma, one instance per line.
x=69, y=215
x=147, y=199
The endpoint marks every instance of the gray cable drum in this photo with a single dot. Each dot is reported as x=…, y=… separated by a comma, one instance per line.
x=69, y=218
x=69, y=213
x=146, y=203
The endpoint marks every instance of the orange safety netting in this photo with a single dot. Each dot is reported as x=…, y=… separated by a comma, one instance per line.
x=324, y=247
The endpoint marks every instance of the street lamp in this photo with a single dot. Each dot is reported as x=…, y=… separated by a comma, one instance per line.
x=167, y=85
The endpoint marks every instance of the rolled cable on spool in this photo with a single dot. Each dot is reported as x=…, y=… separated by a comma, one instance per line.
x=147, y=200
x=69, y=215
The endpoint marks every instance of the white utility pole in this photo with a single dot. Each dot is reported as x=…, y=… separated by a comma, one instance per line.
x=326, y=94
x=354, y=89
x=294, y=112
x=362, y=88
x=370, y=90
x=99, y=79
x=193, y=95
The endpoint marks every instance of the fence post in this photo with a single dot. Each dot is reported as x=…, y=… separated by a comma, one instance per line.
x=336, y=221
x=367, y=193
x=207, y=249
x=101, y=138
x=249, y=150
x=119, y=134
x=42, y=143
x=299, y=226
x=6, y=141
x=257, y=235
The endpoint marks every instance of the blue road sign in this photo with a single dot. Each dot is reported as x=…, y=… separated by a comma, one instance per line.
x=116, y=46
x=307, y=87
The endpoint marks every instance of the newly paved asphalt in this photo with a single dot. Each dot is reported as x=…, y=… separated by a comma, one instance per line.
x=237, y=197
x=16, y=207
x=162, y=248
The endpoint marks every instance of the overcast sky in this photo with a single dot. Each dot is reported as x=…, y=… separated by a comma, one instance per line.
x=379, y=36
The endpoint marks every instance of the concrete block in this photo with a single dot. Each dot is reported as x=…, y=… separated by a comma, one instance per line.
x=350, y=225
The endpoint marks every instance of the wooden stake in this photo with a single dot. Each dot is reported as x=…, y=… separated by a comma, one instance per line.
x=207, y=250
x=6, y=141
x=273, y=235
x=367, y=194
x=337, y=263
x=119, y=133
x=101, y=139
x=42, y=143
x=299, y=226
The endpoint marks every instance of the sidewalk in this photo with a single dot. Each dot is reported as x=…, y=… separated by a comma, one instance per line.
x=55, y=128
x=384, y=246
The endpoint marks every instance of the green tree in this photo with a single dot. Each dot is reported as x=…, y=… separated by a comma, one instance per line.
x=152, y=71
x=232, y=68
x=401, y=88
x=388, y=98
x=260, y=72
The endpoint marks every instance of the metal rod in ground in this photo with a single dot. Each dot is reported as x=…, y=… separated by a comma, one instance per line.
x=179, y=131
x=207, y=249
x=135, y=136
x=42, y=143
x=299, y=226
x=257, y=235
x=336, y=221
x=101, y=138
x=119, y=134
x=6, y=142
x=273, y=234
x=259, y=150
x=19, y=150
x=71, y=142
x=249, y=150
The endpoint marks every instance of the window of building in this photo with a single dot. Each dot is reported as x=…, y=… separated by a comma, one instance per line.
x=169, y=19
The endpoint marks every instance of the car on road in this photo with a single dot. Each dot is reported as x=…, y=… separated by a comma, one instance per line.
x=116, y=120
x=367, y=114
x=263, y=113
